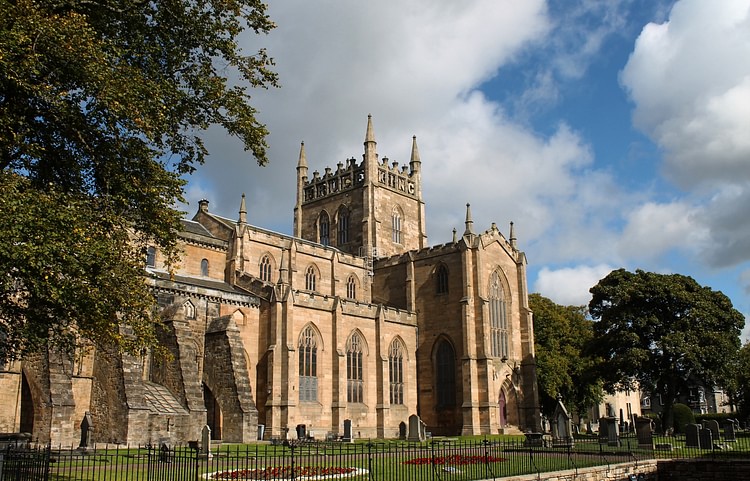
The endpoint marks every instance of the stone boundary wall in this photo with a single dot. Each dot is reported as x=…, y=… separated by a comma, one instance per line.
x=614, y=472
x=704, y=470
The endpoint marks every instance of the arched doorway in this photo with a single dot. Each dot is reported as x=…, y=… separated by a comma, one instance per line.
x=27, y=407
x=213, y=413
x=502, y=410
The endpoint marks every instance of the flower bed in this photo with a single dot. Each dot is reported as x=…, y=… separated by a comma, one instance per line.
x=454, y=460
x=285, y=472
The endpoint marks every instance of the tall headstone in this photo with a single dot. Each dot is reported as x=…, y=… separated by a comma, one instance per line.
x=608, y=431
x=416, y=431
x=562, y=430
x=645, y=432
x=706, y=438
x=205, y=443
x=348, y=436
x=692, y=439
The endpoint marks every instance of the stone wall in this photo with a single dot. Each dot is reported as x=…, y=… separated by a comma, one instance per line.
x=614, y=472
x=704, y=470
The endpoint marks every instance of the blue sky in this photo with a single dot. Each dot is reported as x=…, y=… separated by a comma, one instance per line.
x=613, y=134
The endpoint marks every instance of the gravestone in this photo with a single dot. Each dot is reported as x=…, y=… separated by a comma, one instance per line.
x=402, y=430
x=348, y=437
x=692, y=439
x=165, y=452
x=205, y=452
x=534, y=440
x=301, y=431
x=416, y=429
x=562, y=430
x=608, y=431
x=706, y=438
x=713, y=426
x=87, y=428
x=730, y=435
x=645, y=432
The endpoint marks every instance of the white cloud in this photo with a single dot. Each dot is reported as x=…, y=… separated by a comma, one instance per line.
x=653, y=229
x=690, y=81
x=570, y=286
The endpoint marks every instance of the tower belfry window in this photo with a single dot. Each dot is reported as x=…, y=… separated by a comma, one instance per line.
x=396, y=224
x=442, y=280
x=343, y=226
x=324, y=227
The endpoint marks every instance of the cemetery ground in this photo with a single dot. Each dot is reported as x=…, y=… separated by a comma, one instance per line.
x=459, y=459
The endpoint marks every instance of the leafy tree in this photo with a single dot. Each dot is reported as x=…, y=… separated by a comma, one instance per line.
x=102, y=104
x=736, y=381
x=659, y=331
x=560, y=335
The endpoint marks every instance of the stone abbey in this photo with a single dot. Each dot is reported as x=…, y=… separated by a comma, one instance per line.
x=353, y=317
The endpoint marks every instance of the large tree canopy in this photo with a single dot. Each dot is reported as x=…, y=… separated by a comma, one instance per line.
x=102, y=104
x=560, y=335
x=661, y=331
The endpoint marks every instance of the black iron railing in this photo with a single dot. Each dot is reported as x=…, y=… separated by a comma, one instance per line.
x=444, y=459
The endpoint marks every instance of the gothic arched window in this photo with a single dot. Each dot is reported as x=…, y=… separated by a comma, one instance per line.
x=442, y=280
x=343, y=226
x=351, y=288
x=265, y=269
x=310, y=278
x=445, y=375
x=396, y=371
x=324, y=229
x=498, y=318
x=355, y=383
x=204, y=267
x=308, y=365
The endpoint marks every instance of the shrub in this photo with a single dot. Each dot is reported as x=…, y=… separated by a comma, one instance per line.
x=682, y=415
x=720, y=417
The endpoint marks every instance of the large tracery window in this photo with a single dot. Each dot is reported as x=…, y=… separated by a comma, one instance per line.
x=396, y=371
x=498, y=318
x=265, y=269
x=324, y=229
x=308, y=365
x=445, y=375
x=343, y=226
x=354, y=378
x=310, y=278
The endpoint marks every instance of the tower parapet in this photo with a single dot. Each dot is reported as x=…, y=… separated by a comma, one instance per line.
x=346, y=177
